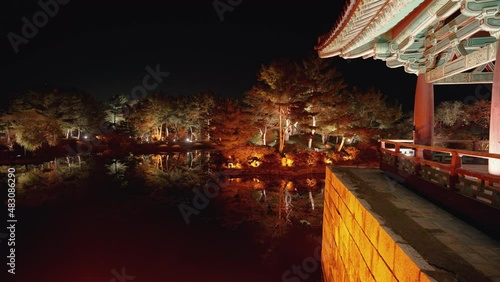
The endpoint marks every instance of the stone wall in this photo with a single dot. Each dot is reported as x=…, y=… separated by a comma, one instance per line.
x=356, y=244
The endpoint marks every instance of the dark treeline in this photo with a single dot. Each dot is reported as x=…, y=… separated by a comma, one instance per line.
x=300, y=104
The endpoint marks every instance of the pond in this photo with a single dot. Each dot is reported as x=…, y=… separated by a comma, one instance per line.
x=163, y=217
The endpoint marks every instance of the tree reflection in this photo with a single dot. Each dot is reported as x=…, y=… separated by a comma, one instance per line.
x=37, y=183
x=311, y=184
x=117, y=169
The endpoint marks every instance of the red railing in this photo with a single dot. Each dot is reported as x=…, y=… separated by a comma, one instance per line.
x=471, y=179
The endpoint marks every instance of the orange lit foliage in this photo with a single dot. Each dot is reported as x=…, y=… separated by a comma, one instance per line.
x=231, y=129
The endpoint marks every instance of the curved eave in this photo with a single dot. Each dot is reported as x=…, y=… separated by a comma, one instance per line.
x=326, y=39
x=352, y=23
x=363, y=23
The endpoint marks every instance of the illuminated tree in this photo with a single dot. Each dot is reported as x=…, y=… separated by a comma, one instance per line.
x=323, y=91
x=148, y=116
x=179, y=116
x=372, y=115
x=115, y=109
x=73, y=110
x=449, y=113
x=478, y=116
x=275, y=98
x=33, y=130
x=456, y=120
x=204, y=103
x=263, y=113
x=230, y=125
x=6, y=121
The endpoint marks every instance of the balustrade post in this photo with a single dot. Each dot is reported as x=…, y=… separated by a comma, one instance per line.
x=456, y=162
x=397, y=148
x=419, y=153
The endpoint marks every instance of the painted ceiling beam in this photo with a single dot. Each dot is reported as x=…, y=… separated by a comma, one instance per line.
x=478, y=42
x=467, y=78
x=475, y=59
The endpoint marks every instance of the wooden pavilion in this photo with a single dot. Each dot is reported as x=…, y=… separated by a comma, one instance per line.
x=440, y=41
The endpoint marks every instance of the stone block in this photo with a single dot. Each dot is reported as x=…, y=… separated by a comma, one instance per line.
x=386, y=247
x=405, y=269
x=381, y=271
x=366, y=248
x=371, y=228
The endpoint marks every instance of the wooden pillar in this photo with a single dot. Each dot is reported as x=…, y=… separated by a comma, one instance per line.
x=424, y=114
x=494, y=164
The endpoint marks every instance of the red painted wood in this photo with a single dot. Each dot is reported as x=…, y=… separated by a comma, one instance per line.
x=494, y=164
x=423, y=113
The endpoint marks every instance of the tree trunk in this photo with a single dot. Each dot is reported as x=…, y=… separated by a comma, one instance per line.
x=323, y=138
x=313, y=131
x=263, y=135
x=79, y=133
x=67, y=133
x=166, y=163
x=341, y=144
x=166, y=130
x=161, y=131
x=287, y=130
x=8, y=135
x=208, y=129
x=294, y=128
x=282, y=145
x=311, y=199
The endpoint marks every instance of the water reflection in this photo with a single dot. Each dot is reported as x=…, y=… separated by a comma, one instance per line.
x=117, y=169
x=275, y=202
x=48, y=173
x=175, y=161
x=278, y=202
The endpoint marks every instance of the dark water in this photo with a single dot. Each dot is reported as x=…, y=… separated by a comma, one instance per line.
x=161, y=218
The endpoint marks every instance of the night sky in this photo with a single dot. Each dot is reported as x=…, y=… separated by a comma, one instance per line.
x=103, y=47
